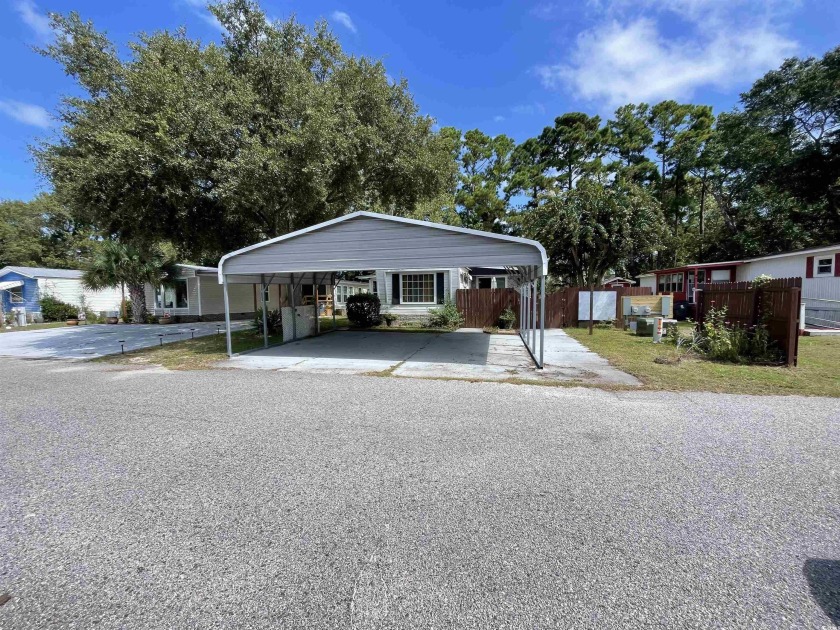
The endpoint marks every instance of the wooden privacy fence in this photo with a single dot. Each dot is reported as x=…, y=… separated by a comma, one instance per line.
x=776, y=303
x=482, y=307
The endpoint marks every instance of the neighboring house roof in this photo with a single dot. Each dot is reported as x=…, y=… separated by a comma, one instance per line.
x=198, y=267
x=43, y=272
x=618, y=279
x=735, y=263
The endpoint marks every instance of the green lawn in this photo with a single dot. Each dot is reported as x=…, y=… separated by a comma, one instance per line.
x=818, y=372
x=33, y=327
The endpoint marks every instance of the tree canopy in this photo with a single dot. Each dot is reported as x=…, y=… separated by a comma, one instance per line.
x=215, y=146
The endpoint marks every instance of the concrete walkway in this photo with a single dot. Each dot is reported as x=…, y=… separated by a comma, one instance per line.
x=467, y=353
x=96, y=340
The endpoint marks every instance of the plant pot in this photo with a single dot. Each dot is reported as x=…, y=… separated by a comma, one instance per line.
x=72, y=322
x=165, y=320
x=112, y=320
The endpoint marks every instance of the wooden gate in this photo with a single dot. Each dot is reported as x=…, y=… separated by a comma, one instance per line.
x=482, y=307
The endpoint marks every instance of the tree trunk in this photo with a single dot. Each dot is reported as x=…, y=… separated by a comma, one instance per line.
x=123, y=311
x=591, y=306
x=138, y=303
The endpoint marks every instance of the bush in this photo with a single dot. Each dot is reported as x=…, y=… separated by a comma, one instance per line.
x=54, y=310
x=389, y=318
x=719, y=340
x=507, y=318
x=273, y=321
x=446, y=316
x=363, y=310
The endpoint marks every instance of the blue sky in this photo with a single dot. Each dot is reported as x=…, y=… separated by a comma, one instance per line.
x=504, y=66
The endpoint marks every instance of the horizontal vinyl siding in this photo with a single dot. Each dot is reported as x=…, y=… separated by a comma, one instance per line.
x=71, y=291
x=241, y=297
x=367, y=243
x=822, y=287
x=31, y=293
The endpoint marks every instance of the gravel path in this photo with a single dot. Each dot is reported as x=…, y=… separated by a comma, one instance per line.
x=221, y=499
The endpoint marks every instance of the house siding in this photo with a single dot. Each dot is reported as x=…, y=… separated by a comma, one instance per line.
x=72, y=292
x=31, y=294
x=451, y=282
x=818, y=287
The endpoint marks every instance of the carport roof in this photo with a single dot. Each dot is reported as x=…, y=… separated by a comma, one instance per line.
x=366, y=240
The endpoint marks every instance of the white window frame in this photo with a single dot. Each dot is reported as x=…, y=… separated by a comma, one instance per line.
x=12, y=295
x=419, y=273
x=830, y=271
x=161, y=297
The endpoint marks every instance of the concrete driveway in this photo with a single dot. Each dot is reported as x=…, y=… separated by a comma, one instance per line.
x=250, y=499
x=96, y=340
x=467, y=353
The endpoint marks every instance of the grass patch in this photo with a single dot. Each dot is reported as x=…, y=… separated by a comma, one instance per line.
x=191, y=354
x=661, y=367
x=34, y=327
x=340, y=322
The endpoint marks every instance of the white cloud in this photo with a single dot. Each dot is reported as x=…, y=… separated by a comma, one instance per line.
x=26, y=113
x=34, y=19
x=344, y=19
x=498, y=118
x=626, y=57
x=199, y=8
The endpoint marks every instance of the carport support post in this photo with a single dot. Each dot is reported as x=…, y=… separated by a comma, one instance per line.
x=264, y=314
x=534, y=314
x=227, y=316
x=294, y=309
x=317, y=312
x=542, y=320
x=333, y=299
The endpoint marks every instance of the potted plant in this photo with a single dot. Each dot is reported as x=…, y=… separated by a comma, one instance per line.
x=389, y=318
x=166, y=318
x=112, y=317
x=72, y=321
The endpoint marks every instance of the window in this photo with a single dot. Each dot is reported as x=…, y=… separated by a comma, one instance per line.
x=174, y=296
x=677, y=282
x=418, y=288
x=16, y=295
x=375, y=290
x=500, y=282
x=484, y=283
x=825, y=266
x=721, y=275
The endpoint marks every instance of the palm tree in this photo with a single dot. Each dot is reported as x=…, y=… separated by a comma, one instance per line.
x=116, y=264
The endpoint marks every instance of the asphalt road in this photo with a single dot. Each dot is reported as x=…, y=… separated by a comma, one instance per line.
x=221, y=499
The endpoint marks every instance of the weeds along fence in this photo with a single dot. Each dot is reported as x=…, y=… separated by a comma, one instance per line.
x=774, y=303
x=482, y=307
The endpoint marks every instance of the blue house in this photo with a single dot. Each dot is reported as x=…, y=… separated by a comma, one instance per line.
x=23, y=287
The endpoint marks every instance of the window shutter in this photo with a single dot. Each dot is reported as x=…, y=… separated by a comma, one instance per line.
x=439, y=287
x=837, y=265
x=809, y=267
x=395, y=288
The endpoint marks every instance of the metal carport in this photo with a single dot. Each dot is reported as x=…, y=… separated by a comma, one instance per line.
x=367, y=241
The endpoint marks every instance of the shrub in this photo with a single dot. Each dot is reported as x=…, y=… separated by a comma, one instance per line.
x=273, y=321
x=54, y=310
x=446, y=316
x=507, y=318
x=363, y=310
x=719, y=340
x=389, y=318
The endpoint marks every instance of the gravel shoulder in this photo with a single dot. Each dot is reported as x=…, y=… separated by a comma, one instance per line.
x=231, y=498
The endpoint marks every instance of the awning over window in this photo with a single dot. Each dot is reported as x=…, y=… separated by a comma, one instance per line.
x=10, y=284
